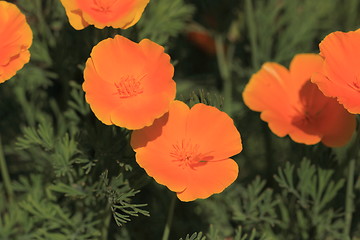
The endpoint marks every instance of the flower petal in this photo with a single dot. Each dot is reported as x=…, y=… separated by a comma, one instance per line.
x=112, y=13
x=118, y=55
x=137, y=79
x=213, y=177
x=153, y=147
x=100, y=93
x=74, y=14
x=162, y=168
x=205, y=126
x=337, y=124
x=340, y=75
x=302, y=67
x=15, y=40
x=267, y=92
x=170, y=127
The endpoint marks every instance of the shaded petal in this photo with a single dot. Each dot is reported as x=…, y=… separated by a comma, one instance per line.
x=74, y=14
x=126, y=14
x=279, y=124
x=214, y=131
x=302, y=67
x=165, y=131
x=16, y=63
x=112, y=13
x=337, y=124
x=300, y=136
x=153, y=146
x=213, y=177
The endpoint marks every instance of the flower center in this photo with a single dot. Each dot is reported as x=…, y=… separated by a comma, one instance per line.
x=129, y=87
x=187, y=155
x=103, y=5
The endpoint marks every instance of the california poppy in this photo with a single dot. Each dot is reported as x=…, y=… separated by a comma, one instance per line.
x=15, y=40
x=188, y=150
x=294, y=106
x=102, y=13
x=129, y=84
x=340, y=74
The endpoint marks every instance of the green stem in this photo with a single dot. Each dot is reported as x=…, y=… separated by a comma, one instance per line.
x=105, y=228
x=169, y=218
x=251, y=25
x=224, y=66
x=5, y=174
x=349, y=208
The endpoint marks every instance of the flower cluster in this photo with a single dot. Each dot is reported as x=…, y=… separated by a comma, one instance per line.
x=293, y=105
x=130, y=85
x=315, y=100
x=189, y=150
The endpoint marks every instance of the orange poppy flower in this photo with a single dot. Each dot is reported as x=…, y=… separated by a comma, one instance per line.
x=129, y=84
x=188, y=150
x=294, y=106
x=340, y=74
x=104, y=13
x=15, y=40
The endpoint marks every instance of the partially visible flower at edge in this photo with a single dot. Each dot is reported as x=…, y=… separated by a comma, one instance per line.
x=340, y=74
x=188, y=150
x=294, y=106
x=128, y=84
x=15, y=40
x=104, y=13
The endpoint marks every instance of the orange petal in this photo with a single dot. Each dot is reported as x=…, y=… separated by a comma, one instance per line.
x=137, y=79
x=112, y=13
x=132, y=16
x=151, y=107
x=300, y=136
x=16, y=63
x=279, y=124
x=162, y=168
x=170, y=127
x=268, y=92
x=340, y=51
x=302, y=67
x=99, y=93
x=153, y=147
x=337, y=124
x=213, y=177
x=215, y=130
x=118, y=55
x=340, y=73
x=15, y=40
x=266, y=89
x=74, y=14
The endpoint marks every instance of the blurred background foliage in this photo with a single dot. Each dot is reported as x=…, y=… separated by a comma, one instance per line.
x=71, y=177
